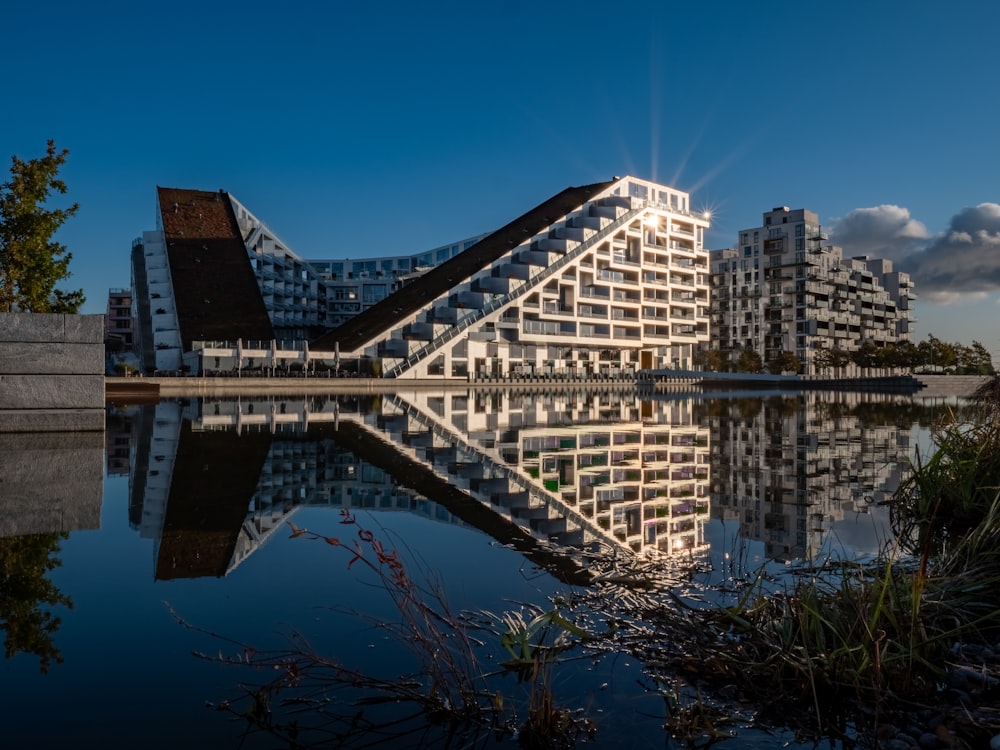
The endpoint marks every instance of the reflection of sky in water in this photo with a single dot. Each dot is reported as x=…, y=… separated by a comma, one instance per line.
x=128, y=670
x=859, y=535
x=129, y=677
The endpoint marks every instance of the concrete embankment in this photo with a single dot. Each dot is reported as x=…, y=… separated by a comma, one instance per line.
x=137, y=390
x=943, y=386
x=51, y=372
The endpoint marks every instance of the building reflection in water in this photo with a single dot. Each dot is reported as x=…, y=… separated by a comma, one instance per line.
x=211, y=480
x=788, y=468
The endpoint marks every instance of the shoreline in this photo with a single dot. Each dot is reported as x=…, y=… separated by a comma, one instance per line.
x=147, y=389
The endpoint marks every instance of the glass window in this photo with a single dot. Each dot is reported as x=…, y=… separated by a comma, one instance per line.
x=637, y=191
x=373, y=293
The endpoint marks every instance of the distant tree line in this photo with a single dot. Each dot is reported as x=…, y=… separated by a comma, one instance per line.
x=932, y=355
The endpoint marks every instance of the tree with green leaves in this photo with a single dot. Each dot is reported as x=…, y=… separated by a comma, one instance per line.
x=750, y=361
x=832, y=359
x=982, y=360
x=710, y=359
x=867, y=355
x=31, y=262
x=784, y=362
x=942, y=353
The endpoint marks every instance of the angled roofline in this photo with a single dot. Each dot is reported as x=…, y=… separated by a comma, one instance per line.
x=380, y=317
x=215, y=290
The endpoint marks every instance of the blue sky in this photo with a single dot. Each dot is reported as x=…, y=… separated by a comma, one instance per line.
x=362, y=129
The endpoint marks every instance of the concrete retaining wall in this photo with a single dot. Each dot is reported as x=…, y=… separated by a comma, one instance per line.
x=939, y=386
x=51, y=372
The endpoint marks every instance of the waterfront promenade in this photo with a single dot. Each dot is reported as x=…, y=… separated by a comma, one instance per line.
x=133, y=389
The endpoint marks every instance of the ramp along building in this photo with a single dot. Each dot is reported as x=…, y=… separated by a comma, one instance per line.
x=781, y=289
x=597, y=281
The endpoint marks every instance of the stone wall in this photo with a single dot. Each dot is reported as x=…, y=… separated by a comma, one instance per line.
x=51, y=372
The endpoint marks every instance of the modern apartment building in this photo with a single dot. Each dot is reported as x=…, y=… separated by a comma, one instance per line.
x=598, y=280
x=602, y=279
x=352, y=286
x=781, y=289
x=118, y=320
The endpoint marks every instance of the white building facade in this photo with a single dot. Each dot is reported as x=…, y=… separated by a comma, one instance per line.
x=617, y=284
x=782, y=290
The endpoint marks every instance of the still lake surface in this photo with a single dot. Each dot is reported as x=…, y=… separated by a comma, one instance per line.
x=182, y=543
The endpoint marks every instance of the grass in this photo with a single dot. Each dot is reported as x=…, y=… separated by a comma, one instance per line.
x=864, y=644
x=313, y=700
x=878, y=637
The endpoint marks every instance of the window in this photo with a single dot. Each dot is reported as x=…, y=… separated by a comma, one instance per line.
x=373, y=293
x=637, y=191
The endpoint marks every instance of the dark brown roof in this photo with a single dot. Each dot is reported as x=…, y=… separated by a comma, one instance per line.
x=377, y=319
x=215, y=289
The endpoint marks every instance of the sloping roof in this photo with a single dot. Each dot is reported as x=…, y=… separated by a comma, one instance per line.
x=379, y=318
x=215, y=289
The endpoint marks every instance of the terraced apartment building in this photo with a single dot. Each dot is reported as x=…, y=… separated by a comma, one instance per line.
x=597, y=281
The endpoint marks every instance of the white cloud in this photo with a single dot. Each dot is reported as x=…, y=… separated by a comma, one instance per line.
x=965, y=259
x=885, y=231
x=961, y=263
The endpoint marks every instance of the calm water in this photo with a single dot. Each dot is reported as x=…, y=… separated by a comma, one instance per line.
x=179, y=513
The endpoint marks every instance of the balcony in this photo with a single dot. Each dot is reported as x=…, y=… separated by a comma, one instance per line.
x=418, y=332
x=445, y=315
x=550, y=307
x=598, y=292
x=491, y=285
x=393, y=348
x=532, y=257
